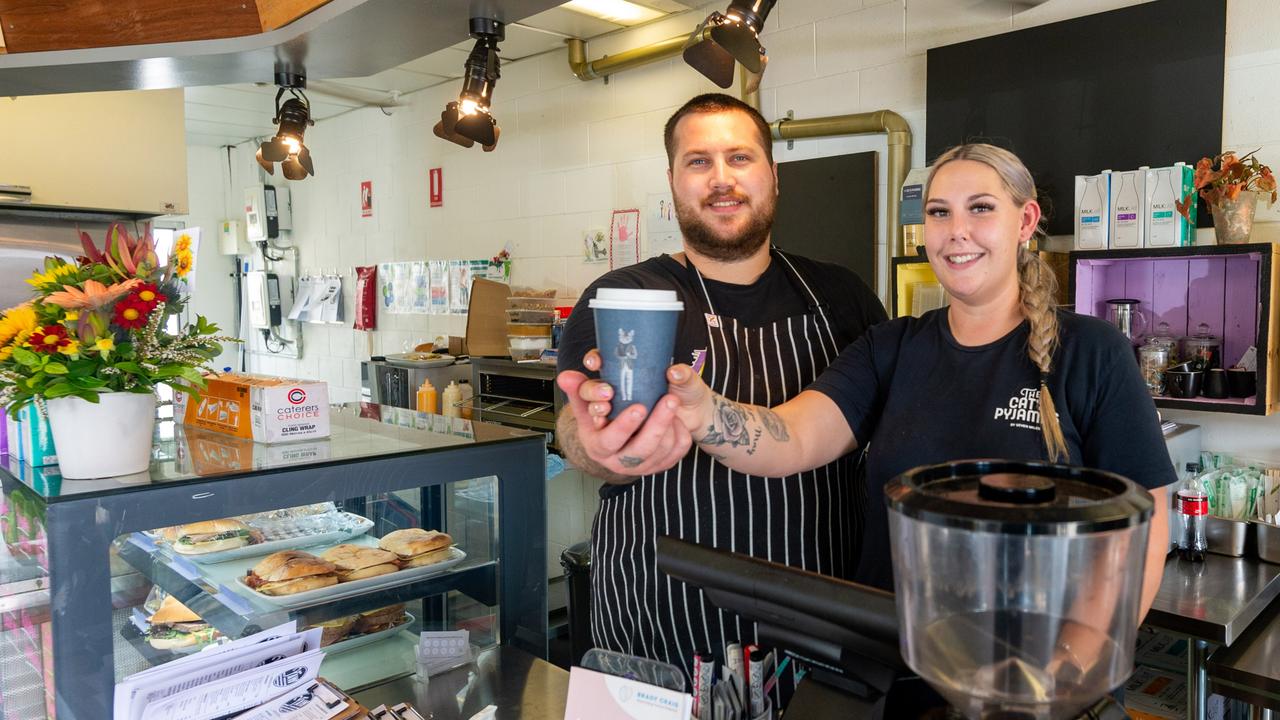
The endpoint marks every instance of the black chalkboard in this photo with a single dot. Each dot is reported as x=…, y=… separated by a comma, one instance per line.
x=1117, y=90
x=827, y=211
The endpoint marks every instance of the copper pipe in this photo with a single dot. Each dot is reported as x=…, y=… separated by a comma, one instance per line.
x=898, y=134
x=586, y=69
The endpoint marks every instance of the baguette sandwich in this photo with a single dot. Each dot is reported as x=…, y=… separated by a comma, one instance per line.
x=213, y=535
x=357, y=561
x=291, y=571
x=417, y=547
x=378, y=620
x=174, y=626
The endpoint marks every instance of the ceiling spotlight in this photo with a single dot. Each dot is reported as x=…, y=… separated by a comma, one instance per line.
x=734, y=35
x=468, y=120
x=291, y=119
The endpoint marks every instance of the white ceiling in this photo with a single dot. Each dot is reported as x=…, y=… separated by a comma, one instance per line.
x=231, y=114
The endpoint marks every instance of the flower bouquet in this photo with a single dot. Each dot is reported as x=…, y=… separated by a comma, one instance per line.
x=95, y=341
x=1230, y=186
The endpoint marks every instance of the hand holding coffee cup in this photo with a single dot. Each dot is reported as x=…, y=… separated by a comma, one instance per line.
x=635, y=333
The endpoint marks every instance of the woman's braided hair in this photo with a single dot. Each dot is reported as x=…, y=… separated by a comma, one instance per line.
x=1037, y=285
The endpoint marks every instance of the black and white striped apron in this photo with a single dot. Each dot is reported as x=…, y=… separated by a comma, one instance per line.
x=811, y=520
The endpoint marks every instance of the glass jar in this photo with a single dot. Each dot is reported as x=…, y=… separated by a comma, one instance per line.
x=1165, y=338
x=1204, y=349
x=1153, y=358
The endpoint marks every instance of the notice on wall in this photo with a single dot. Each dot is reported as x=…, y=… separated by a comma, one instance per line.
x=438, y=270
x=366, y=198
x=661, y=230
x=435, y=181
x=624, y=238
x=595, y=245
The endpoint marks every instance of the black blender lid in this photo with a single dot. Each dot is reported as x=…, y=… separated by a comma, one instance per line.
x=1015, y=497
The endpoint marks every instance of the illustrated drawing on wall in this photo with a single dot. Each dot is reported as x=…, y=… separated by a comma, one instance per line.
x=366, y=198
x=661, y=230
x=595, y=246
x=624, y=238
x=627, y=357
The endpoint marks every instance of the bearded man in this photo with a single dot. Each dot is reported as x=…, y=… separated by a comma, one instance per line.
x=761, y=325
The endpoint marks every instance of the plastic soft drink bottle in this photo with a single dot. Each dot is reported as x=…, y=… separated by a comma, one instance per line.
x=1193, y=506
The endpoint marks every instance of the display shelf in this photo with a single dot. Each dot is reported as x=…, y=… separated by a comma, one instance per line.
x=210, y=591
x=365, y=667
x=1229, y=288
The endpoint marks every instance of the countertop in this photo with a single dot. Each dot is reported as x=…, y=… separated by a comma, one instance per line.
x=519, y=684
x=1215, y=600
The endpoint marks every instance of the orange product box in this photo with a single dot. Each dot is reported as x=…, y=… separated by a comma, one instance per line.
x=259, y=407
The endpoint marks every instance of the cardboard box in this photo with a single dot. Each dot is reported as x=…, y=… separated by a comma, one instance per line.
x=487, y=319
x=1128, y=201
x=457, y=346
x=260, y=408
x=1165, y=225
x=1093, y=211
x=35, y=438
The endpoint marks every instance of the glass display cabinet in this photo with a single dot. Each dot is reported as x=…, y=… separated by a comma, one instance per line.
x=86, y=563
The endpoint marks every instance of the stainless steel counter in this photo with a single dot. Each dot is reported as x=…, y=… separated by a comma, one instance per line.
x=519, y=684
x=1250, y=669
x=1215, y=600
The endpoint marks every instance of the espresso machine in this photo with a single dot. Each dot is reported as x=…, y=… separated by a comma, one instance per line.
x=1017, y=589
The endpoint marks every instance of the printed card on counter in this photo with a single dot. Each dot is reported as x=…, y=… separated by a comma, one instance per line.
x=317, y=701
x=140, y=695
x=239, y=692
x=597, y=696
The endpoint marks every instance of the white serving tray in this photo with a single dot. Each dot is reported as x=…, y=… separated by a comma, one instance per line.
x=357, y=526
x=355, y=587
x=351, y=643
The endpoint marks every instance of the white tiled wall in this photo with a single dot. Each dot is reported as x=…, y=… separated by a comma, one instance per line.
x=573, y=151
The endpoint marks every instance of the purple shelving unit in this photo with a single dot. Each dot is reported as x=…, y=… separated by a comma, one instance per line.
x=1227, y=287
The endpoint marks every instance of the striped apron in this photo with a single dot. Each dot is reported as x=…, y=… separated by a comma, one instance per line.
x=811, y=520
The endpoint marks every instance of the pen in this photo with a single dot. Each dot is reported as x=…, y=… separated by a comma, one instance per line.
x=768, y=688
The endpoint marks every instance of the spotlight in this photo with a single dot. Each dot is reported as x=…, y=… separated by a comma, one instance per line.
x=468, y=120
x=734, y=35
x=292, y=119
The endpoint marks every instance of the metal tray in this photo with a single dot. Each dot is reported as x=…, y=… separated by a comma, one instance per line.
x=1226, y=537
x=286, y=536
x=356, y=641
x=1268, y=541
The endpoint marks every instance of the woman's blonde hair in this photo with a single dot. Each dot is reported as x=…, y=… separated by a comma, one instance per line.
x=1037, y=285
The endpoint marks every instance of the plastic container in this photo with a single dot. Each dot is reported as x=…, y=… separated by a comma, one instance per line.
x=530, y=303
x=528, y=342
x=528, y=329
x=531, y=316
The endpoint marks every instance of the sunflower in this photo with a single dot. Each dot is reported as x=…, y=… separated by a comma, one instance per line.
x=182, y=263
x=16, y=325
x=52, y=275
x=183, y=243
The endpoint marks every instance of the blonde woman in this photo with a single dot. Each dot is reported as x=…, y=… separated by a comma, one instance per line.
x=999, y=373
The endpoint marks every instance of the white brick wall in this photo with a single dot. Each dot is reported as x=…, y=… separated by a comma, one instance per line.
x=572, y=151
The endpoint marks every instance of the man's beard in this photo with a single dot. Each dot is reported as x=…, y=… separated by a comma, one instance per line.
x=704, y=240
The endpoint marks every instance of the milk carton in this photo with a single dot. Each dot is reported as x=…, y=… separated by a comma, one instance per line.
x=1165, y=226
x=35, y=438
x=1093, y=211
x=1128, y=196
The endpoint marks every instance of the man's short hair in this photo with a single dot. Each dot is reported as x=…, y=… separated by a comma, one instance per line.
x=716, y=103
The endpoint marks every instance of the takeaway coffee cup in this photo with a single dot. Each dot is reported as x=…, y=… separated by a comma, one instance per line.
x=636, y=335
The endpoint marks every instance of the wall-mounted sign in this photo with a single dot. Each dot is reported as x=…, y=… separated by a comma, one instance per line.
x=436, y=178
x=366, y=198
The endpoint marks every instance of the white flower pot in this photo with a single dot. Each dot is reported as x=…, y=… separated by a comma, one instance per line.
x=104, y=439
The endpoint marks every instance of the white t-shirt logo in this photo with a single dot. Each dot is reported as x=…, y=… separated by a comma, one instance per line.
x=1022, y=410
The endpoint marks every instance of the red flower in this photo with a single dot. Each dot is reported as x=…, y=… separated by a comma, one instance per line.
x=130, y=313
x=49, y=339
x=147, y=295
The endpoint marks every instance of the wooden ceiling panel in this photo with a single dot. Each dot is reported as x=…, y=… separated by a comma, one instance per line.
x=39, y=25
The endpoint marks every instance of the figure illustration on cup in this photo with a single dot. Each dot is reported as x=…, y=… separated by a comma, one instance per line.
x=627, y=356
x=644, y=323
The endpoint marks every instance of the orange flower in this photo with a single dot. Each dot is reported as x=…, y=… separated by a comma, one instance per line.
x=93, y=296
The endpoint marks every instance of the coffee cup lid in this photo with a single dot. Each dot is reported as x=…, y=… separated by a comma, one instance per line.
x=635, y=299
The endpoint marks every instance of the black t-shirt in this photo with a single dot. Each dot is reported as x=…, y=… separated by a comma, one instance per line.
x=914, y=396
x=849, y=304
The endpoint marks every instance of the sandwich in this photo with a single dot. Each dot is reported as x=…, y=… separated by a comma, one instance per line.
x=291, y=571
x=175, y=626
x=378, y=620
x=336, y=629
x=417, y=547
x=214, y=535
x=358, y=561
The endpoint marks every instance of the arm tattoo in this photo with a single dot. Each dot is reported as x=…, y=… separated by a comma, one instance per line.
x=733, y=425
x=629, y=462
x=774, y=423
